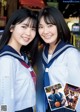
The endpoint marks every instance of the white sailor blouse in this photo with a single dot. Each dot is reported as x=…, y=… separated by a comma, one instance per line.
x=17, y=88
x=63, y=67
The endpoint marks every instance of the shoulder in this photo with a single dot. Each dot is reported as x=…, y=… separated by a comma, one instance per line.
x=7, y=65
x=72, y=55
x=6, y=57
x=7, y=60
x=72, y=52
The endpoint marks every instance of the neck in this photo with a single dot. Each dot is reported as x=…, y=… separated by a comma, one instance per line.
x=14, y=47
x=52, y=47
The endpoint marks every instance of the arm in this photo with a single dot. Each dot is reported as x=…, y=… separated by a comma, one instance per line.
x=7, y=76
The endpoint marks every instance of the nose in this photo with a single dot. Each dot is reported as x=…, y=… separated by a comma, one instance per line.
x=46, y=30
x=28, y=31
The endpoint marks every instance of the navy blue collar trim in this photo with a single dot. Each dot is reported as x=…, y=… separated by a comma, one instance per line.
x=8, y=50
x=61, y=47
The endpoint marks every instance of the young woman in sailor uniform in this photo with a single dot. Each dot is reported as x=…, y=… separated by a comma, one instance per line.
x=17, y=78
x=60, y=60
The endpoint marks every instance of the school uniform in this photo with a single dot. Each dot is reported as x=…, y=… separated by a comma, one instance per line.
x=61, y=68
x=17, y=88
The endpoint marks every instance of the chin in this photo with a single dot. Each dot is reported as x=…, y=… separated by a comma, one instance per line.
x=25, y=43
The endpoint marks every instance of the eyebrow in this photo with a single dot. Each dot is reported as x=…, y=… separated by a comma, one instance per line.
x=26, y=24
x=29, y=24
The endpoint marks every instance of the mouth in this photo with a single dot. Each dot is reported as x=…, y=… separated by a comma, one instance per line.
x=47, y=36
x=26, y=39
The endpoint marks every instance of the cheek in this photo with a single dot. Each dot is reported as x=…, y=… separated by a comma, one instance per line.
x=33, y=35
x=40, y=32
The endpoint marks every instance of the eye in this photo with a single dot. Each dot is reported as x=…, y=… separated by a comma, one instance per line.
x=50, y=25
x=24, y=26
x=34, y=29
x=40, y=26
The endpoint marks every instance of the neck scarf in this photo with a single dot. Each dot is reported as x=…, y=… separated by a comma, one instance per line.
x=61, y=47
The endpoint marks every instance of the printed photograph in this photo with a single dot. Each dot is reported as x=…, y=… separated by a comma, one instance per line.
x=55, y=96
x=72, y=94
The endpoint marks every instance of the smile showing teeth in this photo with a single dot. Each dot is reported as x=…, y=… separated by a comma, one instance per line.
x=47, y=37
x=26, y=39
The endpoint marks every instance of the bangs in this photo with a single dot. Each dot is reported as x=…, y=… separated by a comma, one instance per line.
x=32, y=22
x=49, y=19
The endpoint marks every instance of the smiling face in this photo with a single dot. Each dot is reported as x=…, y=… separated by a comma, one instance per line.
x=22, y=33
x=47, y=31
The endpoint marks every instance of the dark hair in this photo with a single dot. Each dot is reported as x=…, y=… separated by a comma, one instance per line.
x=53, y=90
x=17, y=17
x=53, y=15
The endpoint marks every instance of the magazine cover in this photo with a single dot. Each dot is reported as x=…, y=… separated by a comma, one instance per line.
x=55, y=96
x=72, y=94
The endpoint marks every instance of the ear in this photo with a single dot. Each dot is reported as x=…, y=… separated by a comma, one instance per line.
x=11, y=28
